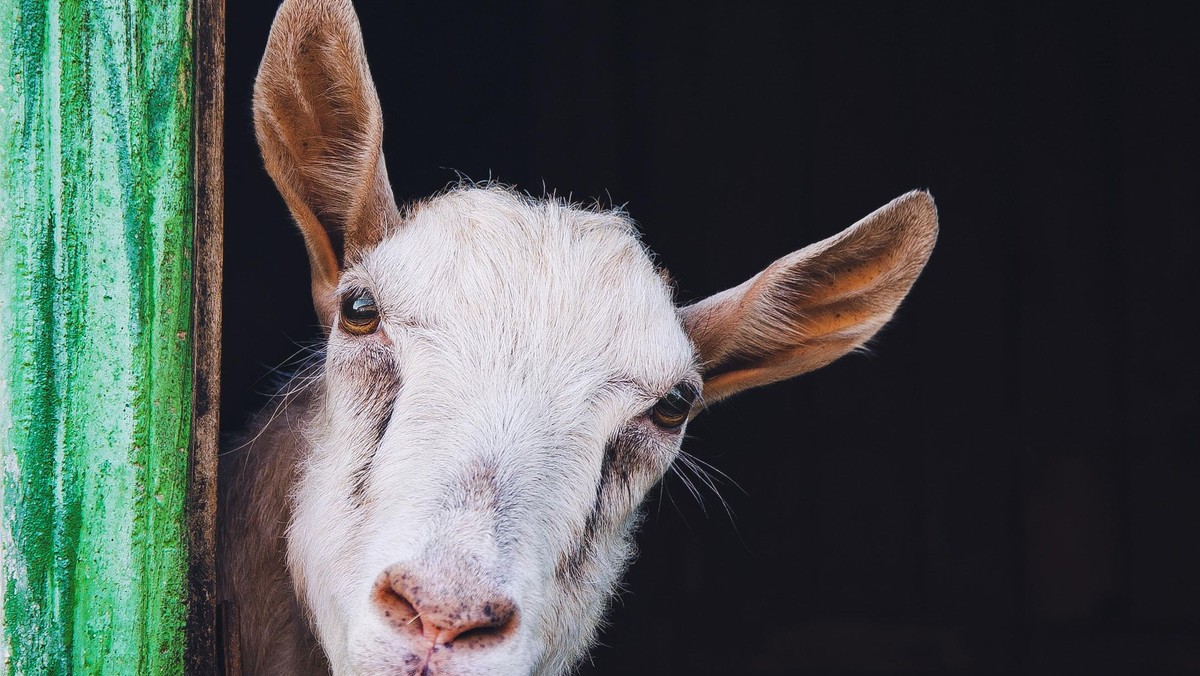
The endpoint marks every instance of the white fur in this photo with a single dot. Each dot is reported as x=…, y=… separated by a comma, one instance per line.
x=526, y=335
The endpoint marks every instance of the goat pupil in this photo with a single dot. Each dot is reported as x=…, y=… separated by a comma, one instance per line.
x=359, y=314
x=359, y=307
x=672, y=410
x=362, y=307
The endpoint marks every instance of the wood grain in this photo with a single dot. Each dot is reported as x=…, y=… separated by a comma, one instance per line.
x=202, y=636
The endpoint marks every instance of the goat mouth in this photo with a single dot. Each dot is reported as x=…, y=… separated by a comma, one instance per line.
x=414, y=664
x=431, y=661
x=421, y=661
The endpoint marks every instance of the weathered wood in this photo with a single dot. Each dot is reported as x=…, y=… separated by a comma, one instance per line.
x=96, y=208
x=209, y=174
x=229, y=648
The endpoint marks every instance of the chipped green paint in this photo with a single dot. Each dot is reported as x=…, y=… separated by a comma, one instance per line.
x=95, y=346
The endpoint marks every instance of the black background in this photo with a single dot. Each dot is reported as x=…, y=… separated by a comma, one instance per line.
x=1010, y=482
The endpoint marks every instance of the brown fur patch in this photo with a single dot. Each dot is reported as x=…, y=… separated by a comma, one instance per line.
x=622, y=458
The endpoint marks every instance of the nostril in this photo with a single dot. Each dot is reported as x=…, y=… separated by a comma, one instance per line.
x=395, y=606
x=494, y=620
x=467, y=615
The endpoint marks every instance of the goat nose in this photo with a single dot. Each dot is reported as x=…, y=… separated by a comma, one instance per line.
x=422, y=604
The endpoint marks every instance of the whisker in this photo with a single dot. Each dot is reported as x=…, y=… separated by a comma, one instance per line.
x=709, y=476
x=311, y=370
x=691, y=487
x=709, y=468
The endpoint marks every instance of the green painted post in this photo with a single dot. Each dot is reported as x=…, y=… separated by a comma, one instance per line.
x=96, y=227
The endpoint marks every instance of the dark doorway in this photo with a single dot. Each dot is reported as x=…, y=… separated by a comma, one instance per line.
x=1008, y=482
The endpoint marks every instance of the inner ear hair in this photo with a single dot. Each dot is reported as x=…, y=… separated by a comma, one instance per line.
x=814, y=305
x=320, y=128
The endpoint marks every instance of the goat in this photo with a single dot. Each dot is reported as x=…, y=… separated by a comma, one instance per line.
x=454, y=487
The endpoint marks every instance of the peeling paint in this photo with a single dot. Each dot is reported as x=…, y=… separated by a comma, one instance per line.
x=95, y=348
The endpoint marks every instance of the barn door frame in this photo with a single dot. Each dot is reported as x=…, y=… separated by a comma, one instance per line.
x=111, y=216
x=203, y=637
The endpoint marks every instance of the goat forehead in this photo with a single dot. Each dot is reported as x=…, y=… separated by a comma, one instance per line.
x=552, y=287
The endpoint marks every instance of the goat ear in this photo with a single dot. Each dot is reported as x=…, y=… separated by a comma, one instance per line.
x=320, y=129
x=814, y=305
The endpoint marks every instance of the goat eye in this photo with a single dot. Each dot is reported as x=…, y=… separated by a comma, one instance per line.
x=359, y=314
x=672, y=411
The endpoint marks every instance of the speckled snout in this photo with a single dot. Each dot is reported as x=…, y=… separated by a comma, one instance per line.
x=435, y=609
